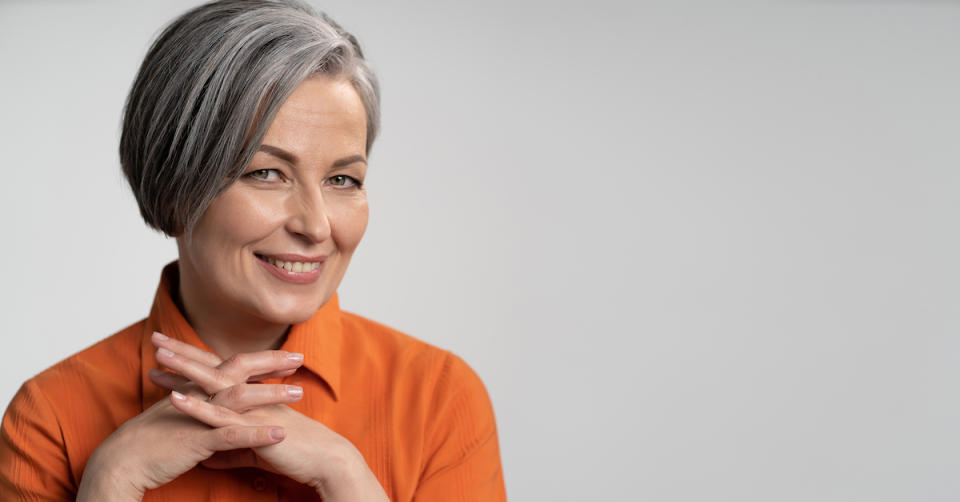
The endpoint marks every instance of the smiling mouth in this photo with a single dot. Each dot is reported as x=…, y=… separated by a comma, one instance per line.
x=297, y=267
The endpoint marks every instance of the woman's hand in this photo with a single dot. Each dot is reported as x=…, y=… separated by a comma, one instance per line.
x=311, y=454
x=158, y=445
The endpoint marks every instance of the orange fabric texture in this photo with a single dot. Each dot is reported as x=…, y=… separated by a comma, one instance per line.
x=419, y=414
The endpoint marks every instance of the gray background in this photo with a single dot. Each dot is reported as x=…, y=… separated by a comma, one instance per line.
x=696, y=250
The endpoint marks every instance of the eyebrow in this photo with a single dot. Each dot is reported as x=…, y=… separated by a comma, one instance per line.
x=290, y=158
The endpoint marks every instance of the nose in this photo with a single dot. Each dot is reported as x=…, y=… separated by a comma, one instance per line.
x=308, y=215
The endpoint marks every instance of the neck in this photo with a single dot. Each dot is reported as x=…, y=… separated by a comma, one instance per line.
x=224, y=327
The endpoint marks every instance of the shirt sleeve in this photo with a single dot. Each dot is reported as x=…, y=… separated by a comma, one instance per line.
x=463, y=460
x=33, y=459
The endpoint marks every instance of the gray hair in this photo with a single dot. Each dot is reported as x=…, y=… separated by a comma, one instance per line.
x=208, y=89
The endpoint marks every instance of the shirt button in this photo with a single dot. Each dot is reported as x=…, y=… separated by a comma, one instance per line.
x=259, y=484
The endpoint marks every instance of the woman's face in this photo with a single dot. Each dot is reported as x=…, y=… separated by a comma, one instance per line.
x=277, y=243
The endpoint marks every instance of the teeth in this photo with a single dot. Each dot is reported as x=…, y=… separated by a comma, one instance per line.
x=294, y=266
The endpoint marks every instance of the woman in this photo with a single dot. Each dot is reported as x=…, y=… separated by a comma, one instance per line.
x=245, y=137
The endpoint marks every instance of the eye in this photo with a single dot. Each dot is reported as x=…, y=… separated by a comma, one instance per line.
x=342, y=180
x=263, y=174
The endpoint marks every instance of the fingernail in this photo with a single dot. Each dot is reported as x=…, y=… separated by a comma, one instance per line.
x=295, y=356
x=160, y=336
x=294, y=391
x=165, y=352
x=178, y=396
x=277, y=434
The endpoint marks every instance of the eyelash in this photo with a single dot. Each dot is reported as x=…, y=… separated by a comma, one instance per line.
x=252, y=174
x=356, y=182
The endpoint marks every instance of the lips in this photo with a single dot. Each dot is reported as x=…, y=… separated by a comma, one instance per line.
x=293, y=268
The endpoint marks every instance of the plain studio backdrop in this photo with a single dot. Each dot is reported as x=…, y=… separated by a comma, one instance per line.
x=696, y=250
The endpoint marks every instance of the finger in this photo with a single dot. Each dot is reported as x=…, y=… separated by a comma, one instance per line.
x=234, y=370
x=243, y=397
x=208, y=413
x=210, y=379
x=195, y=353
x=233, y=437
x=242, y=366
x=275, y=374
x=179, y=383
x=167, y=380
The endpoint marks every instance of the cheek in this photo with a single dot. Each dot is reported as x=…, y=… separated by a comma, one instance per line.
x=237, y=218
x=348, y=222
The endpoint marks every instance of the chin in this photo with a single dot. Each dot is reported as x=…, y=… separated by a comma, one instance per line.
x=294, y=313
x=286, y=317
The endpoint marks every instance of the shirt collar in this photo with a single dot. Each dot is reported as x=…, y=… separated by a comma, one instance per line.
x=319, y=339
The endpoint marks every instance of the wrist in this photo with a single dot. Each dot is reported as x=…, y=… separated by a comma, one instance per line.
x=348, y=478
x=104, y=482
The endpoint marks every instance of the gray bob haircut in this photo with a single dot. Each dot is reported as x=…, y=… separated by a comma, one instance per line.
x=208, y=89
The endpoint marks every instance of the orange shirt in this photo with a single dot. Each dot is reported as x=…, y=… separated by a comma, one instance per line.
x=419, y=414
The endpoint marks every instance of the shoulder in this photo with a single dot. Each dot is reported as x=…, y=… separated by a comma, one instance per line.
x=375, y=343
x=108, y=366
x=60, y=415
x=377, y=335
x=432, y=371
x=448, y=419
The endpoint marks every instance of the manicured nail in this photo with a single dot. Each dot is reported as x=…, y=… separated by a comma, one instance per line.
x=160, y=336
x=294, y=391
x=178, y=396
x=165, y=352
x=295, y=356
x=277, y=434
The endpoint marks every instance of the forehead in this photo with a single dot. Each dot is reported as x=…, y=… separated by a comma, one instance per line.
x=322, y=114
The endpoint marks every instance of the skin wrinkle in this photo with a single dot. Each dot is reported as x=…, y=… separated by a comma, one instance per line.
x=231, y=301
